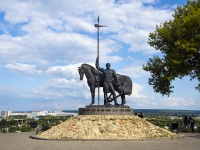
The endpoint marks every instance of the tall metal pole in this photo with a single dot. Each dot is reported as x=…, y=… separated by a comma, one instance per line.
x=98, y=57
x=98, y=26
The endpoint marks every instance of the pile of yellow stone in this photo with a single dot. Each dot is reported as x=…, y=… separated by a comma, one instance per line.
x=106, y=127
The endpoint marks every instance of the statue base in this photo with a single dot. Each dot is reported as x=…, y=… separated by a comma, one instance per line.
x=106, y=110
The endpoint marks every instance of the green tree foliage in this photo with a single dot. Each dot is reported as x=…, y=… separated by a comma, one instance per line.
x=179, y=42
x=25, y=128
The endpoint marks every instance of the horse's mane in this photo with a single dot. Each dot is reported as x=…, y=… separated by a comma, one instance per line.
x=92, y=68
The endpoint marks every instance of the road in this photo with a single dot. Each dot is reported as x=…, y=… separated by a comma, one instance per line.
x=21, y=141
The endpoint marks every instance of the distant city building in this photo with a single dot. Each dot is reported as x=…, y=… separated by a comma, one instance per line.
x=5, y=114
x=35, y=114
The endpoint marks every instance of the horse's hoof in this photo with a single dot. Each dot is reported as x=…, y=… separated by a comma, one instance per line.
x=107, y=103
x=117, y=104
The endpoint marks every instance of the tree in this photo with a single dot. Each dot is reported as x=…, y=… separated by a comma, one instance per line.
x=179, y=42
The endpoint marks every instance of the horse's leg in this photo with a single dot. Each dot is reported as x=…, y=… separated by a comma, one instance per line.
x=105, y=98
x=123, y=99
x=92, y=90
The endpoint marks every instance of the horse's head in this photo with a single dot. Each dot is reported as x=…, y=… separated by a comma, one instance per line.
x=81, y=71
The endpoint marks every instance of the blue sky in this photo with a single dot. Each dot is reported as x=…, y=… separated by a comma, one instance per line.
x=42, y=44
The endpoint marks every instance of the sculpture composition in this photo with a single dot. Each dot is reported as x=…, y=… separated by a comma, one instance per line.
x=122, y=84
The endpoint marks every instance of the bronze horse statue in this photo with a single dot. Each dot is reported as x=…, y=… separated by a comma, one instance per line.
x=92, y=79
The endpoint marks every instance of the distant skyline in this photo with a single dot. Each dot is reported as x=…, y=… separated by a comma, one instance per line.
x=42, y=44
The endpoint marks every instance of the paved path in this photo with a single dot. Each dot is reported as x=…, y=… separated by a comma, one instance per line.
x=21, y=141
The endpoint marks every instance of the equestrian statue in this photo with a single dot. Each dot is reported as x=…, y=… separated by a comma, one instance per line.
x=109, y=80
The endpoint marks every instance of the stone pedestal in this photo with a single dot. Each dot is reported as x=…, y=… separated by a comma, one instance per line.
x=106, y=110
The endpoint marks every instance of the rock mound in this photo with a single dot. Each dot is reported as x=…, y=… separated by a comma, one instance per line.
x=105, y=127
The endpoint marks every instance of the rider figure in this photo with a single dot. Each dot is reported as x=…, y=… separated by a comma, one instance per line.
x=109, y=74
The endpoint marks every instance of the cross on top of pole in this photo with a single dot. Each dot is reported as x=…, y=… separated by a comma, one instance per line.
x=98, y=25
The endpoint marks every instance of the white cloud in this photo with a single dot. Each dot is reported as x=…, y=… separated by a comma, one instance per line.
x=69, y=71
x=53, y=35
x=133, y=71
x=133, y=68
x=23, y=68
x=177, y=102
x=9, y=91
x=136, y=91
x=172, y=101
x=53, y=90
x=53, y=47
x=59, y=88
